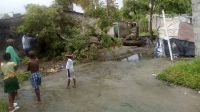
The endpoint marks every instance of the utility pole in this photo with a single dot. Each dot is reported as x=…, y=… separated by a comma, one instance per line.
x=167, y=35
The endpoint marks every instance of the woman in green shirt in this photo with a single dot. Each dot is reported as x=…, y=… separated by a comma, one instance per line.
x=14, y=57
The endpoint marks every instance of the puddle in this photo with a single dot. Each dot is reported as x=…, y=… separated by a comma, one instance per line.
x=136, y=58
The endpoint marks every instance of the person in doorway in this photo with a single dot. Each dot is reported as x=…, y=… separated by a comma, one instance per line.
x=33, y=67
x=11, y=84
x=70, y=71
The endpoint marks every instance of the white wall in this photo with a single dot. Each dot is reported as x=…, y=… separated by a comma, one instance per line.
x=196, y=24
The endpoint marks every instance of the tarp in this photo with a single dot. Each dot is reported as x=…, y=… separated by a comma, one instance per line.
x=180, y=48
x=181, y=37
x=186, y=32
x=178, y=28
x=181, y=31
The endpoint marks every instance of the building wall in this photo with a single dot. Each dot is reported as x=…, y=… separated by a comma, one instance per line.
x=196, y=24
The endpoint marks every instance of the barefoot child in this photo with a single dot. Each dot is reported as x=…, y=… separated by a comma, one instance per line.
x=33, y=67
x=11, y=84
x=70, y=71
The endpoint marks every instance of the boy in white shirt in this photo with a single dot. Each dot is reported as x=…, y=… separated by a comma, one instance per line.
x=70, y=71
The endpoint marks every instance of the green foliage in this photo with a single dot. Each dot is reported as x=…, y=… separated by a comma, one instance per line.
x=134, y=9
x=22, y=76
x=93, y=51
x=56, y=31
x=39, y=20
x=3, y=106
x=143, y=25
x=106, y=41
x=118, y=42
x=105, y=17
x=175, y=6
x=183, y=73
x=25, y=60
x=83, y=3
x=144, y=34
x=137, y=9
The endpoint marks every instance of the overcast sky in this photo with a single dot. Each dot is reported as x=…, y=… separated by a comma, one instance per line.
x=18, y=6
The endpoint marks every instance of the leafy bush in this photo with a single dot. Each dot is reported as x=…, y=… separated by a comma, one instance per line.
x=105, y=17
x=118, y=42
x=143, y=25
x=106, y=41
x=55, y=29
x=25, y=60
x=93, y=51
x=3, y=106
x=23, y=76
x=185, y=73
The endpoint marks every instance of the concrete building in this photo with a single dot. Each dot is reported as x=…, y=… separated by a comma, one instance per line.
x=196, y=24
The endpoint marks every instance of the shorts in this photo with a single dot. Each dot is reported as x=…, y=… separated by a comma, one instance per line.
x=36, y=80
x=70, y=74
x=11, y=85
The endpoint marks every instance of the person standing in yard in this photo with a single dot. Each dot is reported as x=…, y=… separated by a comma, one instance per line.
x=10, y=49
x=70, y=71
x=11, y=84
x=26, y=43
x=33, y=67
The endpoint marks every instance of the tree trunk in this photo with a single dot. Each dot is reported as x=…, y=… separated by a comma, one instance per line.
x=109, y=3
x=152, y=2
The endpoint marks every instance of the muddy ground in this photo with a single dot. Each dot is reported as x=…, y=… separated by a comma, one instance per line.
x=111, y=86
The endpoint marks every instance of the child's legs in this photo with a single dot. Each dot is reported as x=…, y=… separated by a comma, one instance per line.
x=11, y=98
x=15, y=94
x=74, y=80
x=36, y=82
x=68, y=83
x=69, y=77
x=37, y=92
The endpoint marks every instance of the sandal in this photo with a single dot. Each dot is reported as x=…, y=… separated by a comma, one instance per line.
x=15, y=104
x=15, y=108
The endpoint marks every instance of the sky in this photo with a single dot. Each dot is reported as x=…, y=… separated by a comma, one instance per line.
x=18, y=6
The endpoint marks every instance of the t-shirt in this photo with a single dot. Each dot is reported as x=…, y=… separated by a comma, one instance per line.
x=26, y=42
x=70, y=65
x=8, y=69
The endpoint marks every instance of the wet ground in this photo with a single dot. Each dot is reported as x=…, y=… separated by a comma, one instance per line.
x=112, y=86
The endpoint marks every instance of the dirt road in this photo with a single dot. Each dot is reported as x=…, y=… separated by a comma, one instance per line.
x=111, y=87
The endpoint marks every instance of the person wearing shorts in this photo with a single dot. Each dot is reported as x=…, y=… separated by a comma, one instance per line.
x=70, y=71
x=33, y=67
x=11, y=84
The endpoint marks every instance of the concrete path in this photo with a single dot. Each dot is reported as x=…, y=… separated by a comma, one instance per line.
x=111, y=87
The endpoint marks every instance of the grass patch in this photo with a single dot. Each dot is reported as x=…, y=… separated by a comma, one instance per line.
x=3, y=106
x=184, y=73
